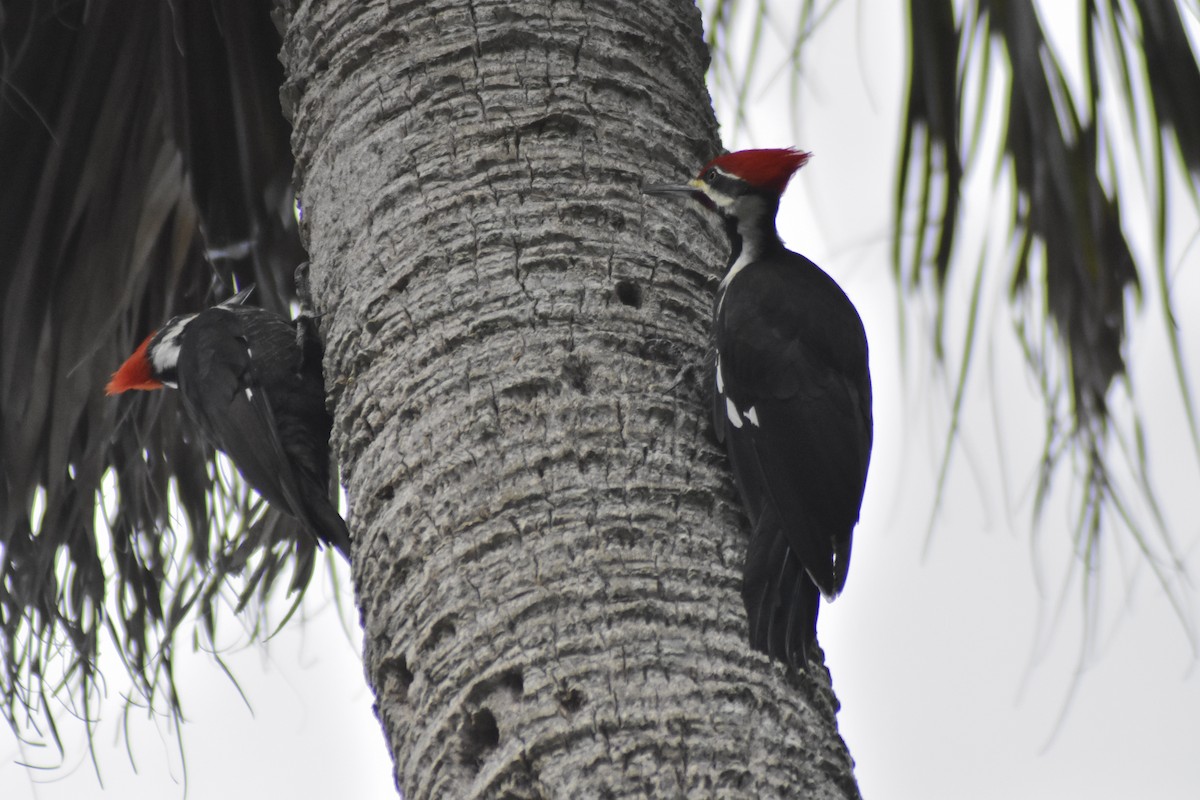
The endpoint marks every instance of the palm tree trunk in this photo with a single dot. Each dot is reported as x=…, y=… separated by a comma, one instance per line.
x=548, y=548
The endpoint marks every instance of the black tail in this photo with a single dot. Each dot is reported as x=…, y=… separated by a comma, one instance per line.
x=324, y=523
x=781, y=599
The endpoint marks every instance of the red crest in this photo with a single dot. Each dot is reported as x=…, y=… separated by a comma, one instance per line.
x=135, y=373
x=769, y=169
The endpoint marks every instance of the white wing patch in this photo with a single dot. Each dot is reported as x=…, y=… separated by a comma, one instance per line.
x=720, y=377
x=736, y=416
x=249, y=393
x=732, y=412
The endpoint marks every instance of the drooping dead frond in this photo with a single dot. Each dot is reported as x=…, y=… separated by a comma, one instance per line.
x=146, y=172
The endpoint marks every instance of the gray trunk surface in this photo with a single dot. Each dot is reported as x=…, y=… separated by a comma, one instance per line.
x=548, y=546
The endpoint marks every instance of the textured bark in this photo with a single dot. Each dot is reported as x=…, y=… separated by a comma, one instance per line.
x=548, y=548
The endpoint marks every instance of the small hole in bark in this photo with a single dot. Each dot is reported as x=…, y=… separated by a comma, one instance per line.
x=396, y=670
x=514, y=681
x=570, y=698
x=400, y=570
x=576, y=372
x=621, y=536
x=480, y=734
x=629, y=293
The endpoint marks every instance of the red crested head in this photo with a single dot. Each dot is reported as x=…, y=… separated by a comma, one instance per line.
x=767, y=169
x=135, y=373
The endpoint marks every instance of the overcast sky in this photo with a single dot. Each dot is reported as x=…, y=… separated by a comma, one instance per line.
x=958, y=665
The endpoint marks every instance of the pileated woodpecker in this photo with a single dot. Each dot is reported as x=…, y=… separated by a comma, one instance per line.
x=792, y=402
x=252, y=382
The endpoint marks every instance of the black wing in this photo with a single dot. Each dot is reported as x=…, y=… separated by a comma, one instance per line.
x=244, y=379
x=793, y=406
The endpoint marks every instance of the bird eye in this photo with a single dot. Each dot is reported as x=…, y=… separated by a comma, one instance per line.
x=711, y=175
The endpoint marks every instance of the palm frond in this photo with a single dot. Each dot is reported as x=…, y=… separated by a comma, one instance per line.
x=736, y=32
x=147, y=172
x=1072, y=251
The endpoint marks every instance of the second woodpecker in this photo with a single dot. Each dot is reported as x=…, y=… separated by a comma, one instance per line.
x=792, y=401
x=252, y=382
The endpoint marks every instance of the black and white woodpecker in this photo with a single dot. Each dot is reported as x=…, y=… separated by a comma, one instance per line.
x=252, y=382
x=792, y=401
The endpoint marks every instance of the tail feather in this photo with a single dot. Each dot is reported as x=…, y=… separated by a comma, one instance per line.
x=326, y=524
x=800, y=604
x=781, y=599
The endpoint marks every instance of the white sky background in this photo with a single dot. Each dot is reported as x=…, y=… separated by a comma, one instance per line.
x=955, y=669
